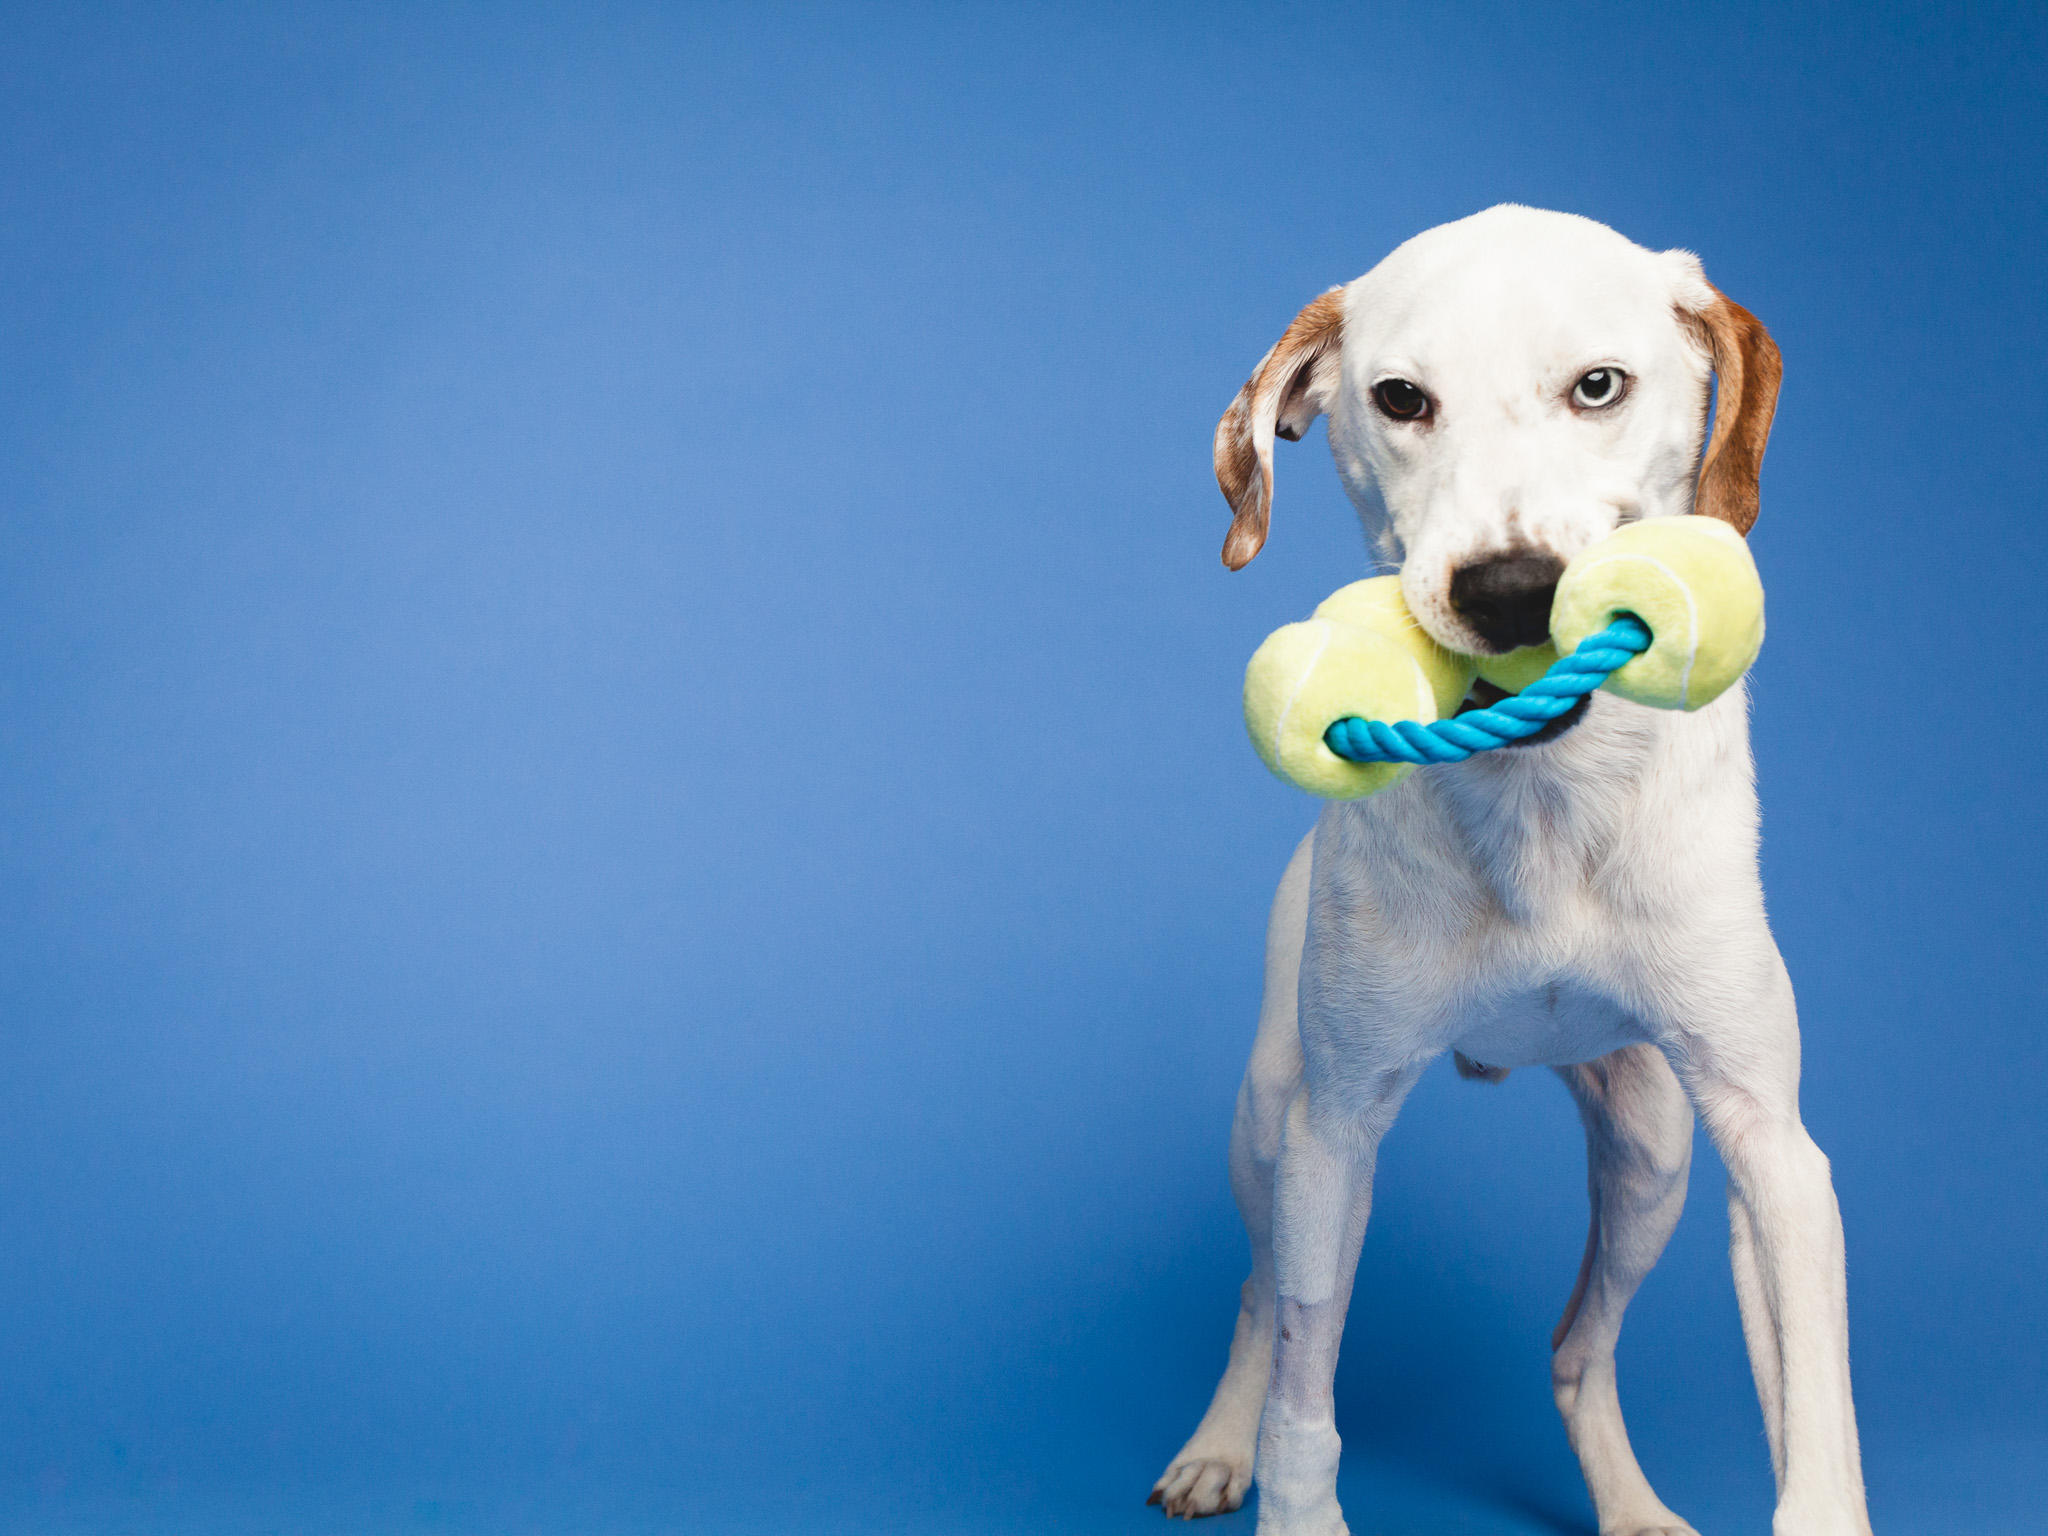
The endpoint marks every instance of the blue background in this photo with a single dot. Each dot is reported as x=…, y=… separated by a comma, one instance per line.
x=632, y=891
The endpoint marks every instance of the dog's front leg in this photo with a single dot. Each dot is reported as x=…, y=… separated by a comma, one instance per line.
x=1742, y=1071
x=1322, y=1197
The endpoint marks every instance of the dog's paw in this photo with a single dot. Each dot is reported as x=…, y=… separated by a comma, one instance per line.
x=1201, y=1486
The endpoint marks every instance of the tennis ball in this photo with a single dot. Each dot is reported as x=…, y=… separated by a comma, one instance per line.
x=1308, y=676
x=1376, y=604
x=1517, y=669
x=1692, y=580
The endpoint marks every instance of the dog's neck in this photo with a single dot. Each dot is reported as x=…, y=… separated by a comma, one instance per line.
x=1539, y=822
x=1547, y=830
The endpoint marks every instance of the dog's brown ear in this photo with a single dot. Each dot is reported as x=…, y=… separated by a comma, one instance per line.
x=1748, y=369
x=1293, y=385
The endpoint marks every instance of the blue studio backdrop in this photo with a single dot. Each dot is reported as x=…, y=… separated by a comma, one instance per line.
x=632, y=888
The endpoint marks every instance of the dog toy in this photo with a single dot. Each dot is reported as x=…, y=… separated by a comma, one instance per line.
x=1667, y=613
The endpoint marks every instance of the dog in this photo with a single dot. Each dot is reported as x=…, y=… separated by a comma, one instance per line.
x=1501, y=392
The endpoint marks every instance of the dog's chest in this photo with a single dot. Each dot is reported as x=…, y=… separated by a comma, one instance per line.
x=1551, y=1023
x=1495, y=911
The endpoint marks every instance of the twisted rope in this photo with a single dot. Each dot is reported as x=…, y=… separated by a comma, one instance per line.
x=1569, y=679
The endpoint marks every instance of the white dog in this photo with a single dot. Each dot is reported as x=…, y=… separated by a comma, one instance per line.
x=1501, y=392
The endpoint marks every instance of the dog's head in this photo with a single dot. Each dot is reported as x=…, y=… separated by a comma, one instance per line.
x=1502, y=391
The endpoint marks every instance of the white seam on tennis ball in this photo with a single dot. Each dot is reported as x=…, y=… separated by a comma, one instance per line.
x=1692, y=615
x=1425, y=696
x=1280, y=725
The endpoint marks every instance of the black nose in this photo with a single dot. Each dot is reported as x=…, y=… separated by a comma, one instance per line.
x=1506, y=599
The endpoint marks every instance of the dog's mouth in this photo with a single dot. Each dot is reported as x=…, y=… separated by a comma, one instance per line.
x=1485, y=694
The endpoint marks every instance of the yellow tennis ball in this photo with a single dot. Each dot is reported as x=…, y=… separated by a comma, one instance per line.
x=1308, y=676
x=1693, y=581
x=1376, y=604
x=1517, y=669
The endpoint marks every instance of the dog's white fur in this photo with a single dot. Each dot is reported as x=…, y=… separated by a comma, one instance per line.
x=1591, y=903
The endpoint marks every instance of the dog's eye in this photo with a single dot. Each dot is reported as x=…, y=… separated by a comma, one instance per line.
x=1600, y=387
x=1400, y=399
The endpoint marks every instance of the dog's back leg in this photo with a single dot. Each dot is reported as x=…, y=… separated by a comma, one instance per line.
x=1638, y=1152
x=1213, y=1471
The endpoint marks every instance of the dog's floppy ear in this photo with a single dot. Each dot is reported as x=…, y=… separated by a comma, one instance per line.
x=1747, y=368
x=1293, y=385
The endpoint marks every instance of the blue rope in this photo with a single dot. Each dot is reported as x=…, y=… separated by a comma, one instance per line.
x=1569, y=679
